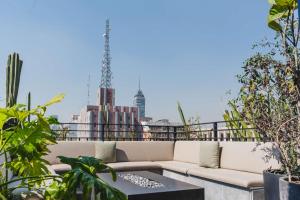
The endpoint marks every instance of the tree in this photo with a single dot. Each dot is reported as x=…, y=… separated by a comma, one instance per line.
x=270, y=93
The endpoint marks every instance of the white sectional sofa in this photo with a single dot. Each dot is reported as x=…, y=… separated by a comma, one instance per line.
x=239, y=176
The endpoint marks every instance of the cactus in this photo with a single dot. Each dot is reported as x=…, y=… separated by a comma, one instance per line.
x=29, y=104
x=13, y=73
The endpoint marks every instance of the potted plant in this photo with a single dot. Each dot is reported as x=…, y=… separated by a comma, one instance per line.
x=270, y=98
x=83, y=176
x=22, y=147
x=23, y=170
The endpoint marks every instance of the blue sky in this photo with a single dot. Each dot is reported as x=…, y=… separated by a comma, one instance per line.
x=187, y=51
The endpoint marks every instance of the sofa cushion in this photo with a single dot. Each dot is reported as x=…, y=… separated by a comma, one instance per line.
x=106, y=151
x=233, y=177
x=209, y=154
x=144, y=151
x=59, y=168
x=187, y=151
x=69, y=149
x=176, y=166
x=247, y=156
x=133, y=166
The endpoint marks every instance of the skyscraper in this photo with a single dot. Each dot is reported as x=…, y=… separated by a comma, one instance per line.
x=140, y=101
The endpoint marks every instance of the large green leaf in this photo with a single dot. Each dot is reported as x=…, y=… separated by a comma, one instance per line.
x=280, y=9
x=25, y=143
x=3, y=119
x=276, y=12
x=272, y=2
x=84, y=173
x=275, y=26
x=54, y=100
x=286, y=3
x=182, y=117
x=183, y=120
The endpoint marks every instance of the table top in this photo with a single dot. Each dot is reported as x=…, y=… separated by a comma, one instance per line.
x=165, y=184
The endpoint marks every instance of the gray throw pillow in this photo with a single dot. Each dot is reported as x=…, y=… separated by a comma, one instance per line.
x=209, y=154
x=106, y=151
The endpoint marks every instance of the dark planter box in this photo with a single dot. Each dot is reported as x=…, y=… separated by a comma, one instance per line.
x=288, y=190
x=271, y=184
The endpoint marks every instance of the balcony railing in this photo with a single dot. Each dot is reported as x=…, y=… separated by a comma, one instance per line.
x=209, y=131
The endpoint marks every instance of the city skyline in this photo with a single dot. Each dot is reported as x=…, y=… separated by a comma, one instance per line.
x=62, y=44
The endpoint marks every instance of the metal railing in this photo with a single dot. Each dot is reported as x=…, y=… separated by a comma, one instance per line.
x=209, y=131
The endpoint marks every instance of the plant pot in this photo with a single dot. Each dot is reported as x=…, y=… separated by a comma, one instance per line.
x=289, y=190
x=271, y=184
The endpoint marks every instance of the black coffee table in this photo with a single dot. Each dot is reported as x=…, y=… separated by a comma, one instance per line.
x=144, y=185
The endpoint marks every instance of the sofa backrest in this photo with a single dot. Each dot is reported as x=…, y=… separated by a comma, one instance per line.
x=187, y=151
x=247, y=156
x=144, y=151
x=70, y=149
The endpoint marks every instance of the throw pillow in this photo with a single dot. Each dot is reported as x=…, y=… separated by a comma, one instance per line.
x=106, y=151
x=209, y=154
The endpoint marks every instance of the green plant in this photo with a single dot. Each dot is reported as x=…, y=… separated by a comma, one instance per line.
x=186, y=126
x=270, y=92
x=181, y=115
x=23, y=145
x=13, y=73
x=29, y=104
x=63, y=132
x=84, y=174
x=191, y=127
x=236, y=124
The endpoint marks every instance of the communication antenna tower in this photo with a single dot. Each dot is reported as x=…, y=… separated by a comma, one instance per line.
x=88, y=91
x=106, y=74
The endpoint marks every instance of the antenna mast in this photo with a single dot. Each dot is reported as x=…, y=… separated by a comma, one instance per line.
x=139, y=83
x=88, y=87
x=106, y=74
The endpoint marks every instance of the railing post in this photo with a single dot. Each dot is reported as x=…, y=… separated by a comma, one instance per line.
x=102, y=132
x=175, y=133
x=215, y=131
x=168, y=133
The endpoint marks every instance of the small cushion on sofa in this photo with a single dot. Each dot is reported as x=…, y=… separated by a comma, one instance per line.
x=134, y=166
x=176, y=166
x=233, y=177
x=60, y=168
x=209, y=153
x=106, y=151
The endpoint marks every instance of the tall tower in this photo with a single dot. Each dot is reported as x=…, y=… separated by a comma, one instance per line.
x=106, y=94
x=140, y=101
x=106, y=74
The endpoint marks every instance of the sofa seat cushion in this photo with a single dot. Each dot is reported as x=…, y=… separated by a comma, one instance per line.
x=137, y=151
x=187, y=151
x=59, y=168
x=177, y=166
x=233, y=177
x=249, y=156
x=134, y=166
x=70, y=149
